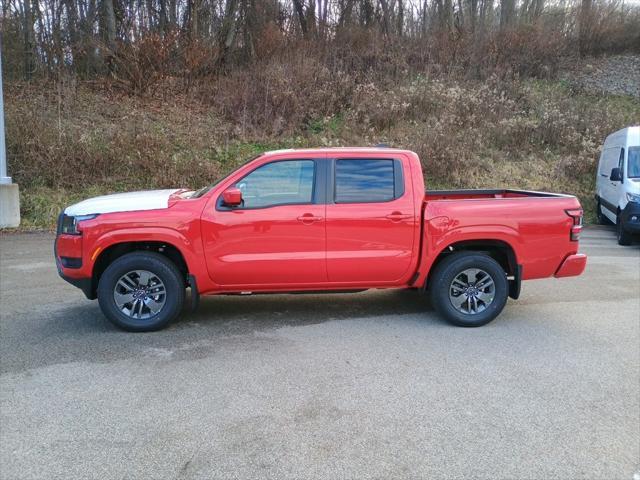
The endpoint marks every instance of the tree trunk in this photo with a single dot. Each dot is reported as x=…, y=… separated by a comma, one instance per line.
x=163, y=16
x=346, y=13
x=173, y=13
x=473, y=14
x=108, y=34
x=227, y=31
x=507, y=13
x=585, y=26
x=447, y=14
x=385, y=16
x=29, y=61
x=299, y=7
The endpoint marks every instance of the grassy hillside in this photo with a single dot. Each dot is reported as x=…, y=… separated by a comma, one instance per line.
x=68, y=141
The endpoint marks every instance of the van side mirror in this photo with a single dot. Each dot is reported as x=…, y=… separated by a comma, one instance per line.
x=616, y=175
x=232, y=197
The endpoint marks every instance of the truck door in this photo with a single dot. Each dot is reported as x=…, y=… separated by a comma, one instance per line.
x=276, y=238
x=371, y=220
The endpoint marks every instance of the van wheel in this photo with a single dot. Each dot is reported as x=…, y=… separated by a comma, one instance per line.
x=141, y=292
x=600, y=217
x=624, y=237
x=469, y=289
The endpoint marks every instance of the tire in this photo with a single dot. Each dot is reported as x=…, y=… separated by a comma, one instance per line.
x=624, y=238
x=442, y=289
x=600, y=217
x=158, y=292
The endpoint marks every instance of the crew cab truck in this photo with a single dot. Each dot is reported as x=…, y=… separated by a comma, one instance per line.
x=346, y=219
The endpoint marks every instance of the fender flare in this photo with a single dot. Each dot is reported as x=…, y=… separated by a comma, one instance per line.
x=172, y=237
x=435, y=245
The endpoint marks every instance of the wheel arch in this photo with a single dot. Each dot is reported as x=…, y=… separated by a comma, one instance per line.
x=500, y=250
x=115, y=250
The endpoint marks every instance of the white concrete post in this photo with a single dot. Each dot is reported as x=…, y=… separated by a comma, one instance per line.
x=3, y=151
x=9, y=195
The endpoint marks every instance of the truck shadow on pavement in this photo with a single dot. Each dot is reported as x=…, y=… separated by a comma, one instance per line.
x=276, y=310
x=239, y=314
x=78, y=332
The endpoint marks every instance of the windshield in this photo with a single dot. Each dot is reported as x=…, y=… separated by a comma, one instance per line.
x=208, y=188
x=633, y=162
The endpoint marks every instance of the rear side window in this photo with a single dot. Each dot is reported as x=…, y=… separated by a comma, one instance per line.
x=367, y=181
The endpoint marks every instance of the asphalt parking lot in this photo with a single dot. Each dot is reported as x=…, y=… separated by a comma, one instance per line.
x=369, y=385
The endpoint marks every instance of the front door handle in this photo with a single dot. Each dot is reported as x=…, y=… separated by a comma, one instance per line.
x=309, y=218
x=398, y=216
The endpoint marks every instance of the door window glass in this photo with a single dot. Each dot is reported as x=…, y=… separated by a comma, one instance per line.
x=278, y=183
x=364, y=181
x=610, y=159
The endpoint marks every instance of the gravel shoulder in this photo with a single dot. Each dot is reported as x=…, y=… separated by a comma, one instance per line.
x=615, y=74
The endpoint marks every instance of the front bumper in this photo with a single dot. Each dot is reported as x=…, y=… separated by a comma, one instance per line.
x=572, y=266
x=630, y=217
x=84, y=284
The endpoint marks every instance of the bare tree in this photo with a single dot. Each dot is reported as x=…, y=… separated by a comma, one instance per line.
x=507, y=13
x=108, y=27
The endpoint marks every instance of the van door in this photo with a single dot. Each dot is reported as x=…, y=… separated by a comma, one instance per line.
x=610, y=191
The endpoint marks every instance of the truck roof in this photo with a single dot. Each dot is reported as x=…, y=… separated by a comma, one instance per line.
x=329, y=150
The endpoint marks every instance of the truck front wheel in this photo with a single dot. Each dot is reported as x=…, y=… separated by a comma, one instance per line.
x=141, y=292
x=469, y=289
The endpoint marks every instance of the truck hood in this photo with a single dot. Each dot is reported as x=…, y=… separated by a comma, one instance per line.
x=123, y=202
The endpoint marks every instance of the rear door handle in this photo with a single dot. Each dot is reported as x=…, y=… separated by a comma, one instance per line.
x=398, y=216
x=309, y=218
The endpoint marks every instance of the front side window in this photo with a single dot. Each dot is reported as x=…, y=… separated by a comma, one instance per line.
x=366, y=181
x=278, y=183
x=633, y=162
x=610, y=159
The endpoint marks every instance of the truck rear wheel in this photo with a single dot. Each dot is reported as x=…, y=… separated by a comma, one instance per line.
x=469, y=289
x=141, y=292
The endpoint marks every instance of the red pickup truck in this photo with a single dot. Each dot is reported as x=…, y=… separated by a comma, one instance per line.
x=345, y=219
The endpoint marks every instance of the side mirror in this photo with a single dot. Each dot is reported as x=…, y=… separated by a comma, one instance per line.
x=232, y=197
x=616, y=175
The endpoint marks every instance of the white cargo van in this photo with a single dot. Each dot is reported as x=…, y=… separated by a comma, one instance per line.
x=618, y=183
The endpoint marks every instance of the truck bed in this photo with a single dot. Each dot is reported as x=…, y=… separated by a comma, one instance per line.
x=475, y=194
x=536, y=225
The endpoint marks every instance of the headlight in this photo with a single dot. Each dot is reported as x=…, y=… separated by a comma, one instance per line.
x=69, y=224
x=633, y=197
